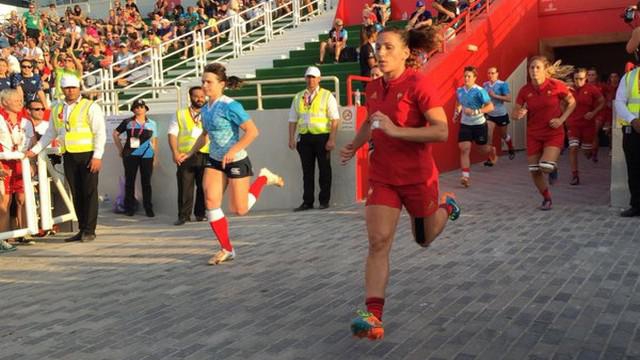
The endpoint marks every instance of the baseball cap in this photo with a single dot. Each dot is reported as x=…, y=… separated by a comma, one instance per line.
x=419, y=3
x=69, y=81
x=137, y=103
x=312, y=71
x=4, y=43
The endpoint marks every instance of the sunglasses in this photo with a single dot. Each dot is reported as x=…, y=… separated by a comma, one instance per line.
x=37, y=109
x=579, y=78
x=26, y=66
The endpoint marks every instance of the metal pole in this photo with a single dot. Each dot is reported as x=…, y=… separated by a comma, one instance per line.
x=259, y=94
x=45, y=192
x=30, y=199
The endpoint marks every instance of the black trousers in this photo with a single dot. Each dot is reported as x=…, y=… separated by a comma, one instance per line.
x=311, y=149
x=631, y=147
x=190, y=175
x=131, y=166
x=84, y=189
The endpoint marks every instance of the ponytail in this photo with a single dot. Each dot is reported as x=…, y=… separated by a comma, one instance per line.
x=419, y=41
x=231, y=82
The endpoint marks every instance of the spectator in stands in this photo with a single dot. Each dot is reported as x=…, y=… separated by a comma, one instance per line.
x=132, y=5
x=6, y=53
x=123, y=60
x=31, y=51
x=165, y=31
x=337, y=41
x=5, y=76
x=28, y=84
x=31, y=22
x=283, y=7
x=51, y=13
x=16, y=134
x=382, y=9
x=151, y=40
x=160, y=7
x=376, y=72
x=90, y=34
x=43, y=69
x=447, y=10
x=65, y=64
x=74, y=32
x=421, y=17
x=77, y=15
x=368, y=51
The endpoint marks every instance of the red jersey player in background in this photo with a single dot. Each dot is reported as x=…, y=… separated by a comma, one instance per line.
x=542, y=99
x=581, y=124
x=594, y=79
x=405, y=116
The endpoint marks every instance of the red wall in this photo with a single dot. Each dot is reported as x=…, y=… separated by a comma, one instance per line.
x=560, y=18
x=350, y=11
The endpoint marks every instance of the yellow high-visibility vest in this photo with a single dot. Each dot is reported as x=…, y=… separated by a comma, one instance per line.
x=78, y=136
x=313, y=118
x=185, y=134
x=633, y=96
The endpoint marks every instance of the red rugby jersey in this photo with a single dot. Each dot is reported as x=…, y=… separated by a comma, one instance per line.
x=404, y=100
x=586, y=100
x=543, y=104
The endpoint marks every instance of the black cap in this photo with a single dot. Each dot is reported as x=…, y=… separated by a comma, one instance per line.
x=139, y=102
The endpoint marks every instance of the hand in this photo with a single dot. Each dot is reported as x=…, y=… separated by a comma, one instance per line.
x=521, y=113
x=292, y=144
x=468, y=112
x=3, y=173
x=228, y=158
x=95, y=165
x=492, y=93
x=176, y=157
x=330, y=145
x=636, y=125
x=156, y=162
x=555, y=123
x=589, y=115
x=346, y=153
x=382, y=122
x=182, y=157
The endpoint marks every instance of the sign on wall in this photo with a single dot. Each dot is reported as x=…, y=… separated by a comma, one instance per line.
x=348, y=118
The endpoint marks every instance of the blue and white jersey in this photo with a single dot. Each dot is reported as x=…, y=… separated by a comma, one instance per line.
x=222, y=120
x=473, y=98
x=499, y=88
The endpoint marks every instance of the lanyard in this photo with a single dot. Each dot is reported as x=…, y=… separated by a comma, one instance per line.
x=15, y=140
x=309, y=97
x=196, y=118
x=133, y=128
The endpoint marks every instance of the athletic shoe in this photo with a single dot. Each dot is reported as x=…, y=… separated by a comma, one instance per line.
x=465, y=182
x=488, y=163
x=575, y=181
x=222, y=256
x=24, y=241
x=449, y=198
x=272, y=179
x=6, y=247
x=512, y=154
x=546, y=205
x=553, y=177
x=367, y=325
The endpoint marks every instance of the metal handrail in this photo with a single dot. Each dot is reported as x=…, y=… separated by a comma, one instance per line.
x=113, y=106
x=259, y=96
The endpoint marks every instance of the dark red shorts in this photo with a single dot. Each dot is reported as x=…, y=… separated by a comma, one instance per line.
x=536, y=142
x=584, y=135
x=420, y=200
x=12, y=183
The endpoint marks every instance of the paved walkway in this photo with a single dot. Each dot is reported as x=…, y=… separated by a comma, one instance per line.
x=505, y=281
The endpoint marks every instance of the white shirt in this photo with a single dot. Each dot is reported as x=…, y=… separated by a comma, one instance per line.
x=42, y=127
x=174, y=128
x=620, y=102
x=96, y=123
x=14, y=64
x=29, y=53
x=19, y=135
x=332, y=108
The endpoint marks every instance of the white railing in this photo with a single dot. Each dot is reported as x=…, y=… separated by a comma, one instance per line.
x=260, y=96
x=203, y=46
x=113, y=105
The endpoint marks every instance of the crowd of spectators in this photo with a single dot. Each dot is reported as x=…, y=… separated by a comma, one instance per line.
x=55, y=42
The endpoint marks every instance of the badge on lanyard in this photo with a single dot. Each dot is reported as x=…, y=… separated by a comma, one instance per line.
x=134, y=140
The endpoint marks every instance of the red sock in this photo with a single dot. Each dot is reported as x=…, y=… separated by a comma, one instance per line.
x=575, y=173
x=546, y=194
x=255, y=189
x=466, y=172
x=257, y=186
x=375, y=306
x=220, y=228
x=509, y=142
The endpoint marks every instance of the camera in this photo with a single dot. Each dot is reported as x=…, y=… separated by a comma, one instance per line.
x=629, y=13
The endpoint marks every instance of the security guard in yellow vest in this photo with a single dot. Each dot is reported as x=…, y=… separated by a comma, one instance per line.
x=314, y=114
x=79, y=125
x=627, y=106
x=183, y=132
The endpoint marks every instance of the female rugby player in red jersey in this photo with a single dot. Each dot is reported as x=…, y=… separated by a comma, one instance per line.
x=543, y=100
x=405, y=116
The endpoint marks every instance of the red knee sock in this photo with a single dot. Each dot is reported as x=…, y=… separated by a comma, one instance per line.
x=546, y=194
x=509, y=142
x=375, y=306
x=575, y=173
x=256, y=189
x=220, y=228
